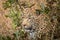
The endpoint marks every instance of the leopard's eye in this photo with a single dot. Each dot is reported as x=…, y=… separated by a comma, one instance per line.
x=22, y=17
x=24, y=25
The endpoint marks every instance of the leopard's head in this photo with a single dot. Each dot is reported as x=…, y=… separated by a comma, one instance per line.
x=28, y=23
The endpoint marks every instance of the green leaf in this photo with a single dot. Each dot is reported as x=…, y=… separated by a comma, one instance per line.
x=42, y=6
x=11, y=1
x=47, y=10
x=6, y=5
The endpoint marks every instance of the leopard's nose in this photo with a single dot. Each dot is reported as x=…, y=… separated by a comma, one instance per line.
x=28, y=28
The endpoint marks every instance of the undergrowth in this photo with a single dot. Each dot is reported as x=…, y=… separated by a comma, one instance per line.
x=14, y=13
x=17, y=35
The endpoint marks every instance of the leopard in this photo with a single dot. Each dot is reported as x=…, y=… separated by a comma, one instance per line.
x=39, y=26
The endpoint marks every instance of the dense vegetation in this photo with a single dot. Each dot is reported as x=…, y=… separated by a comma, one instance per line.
x=15, y=11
